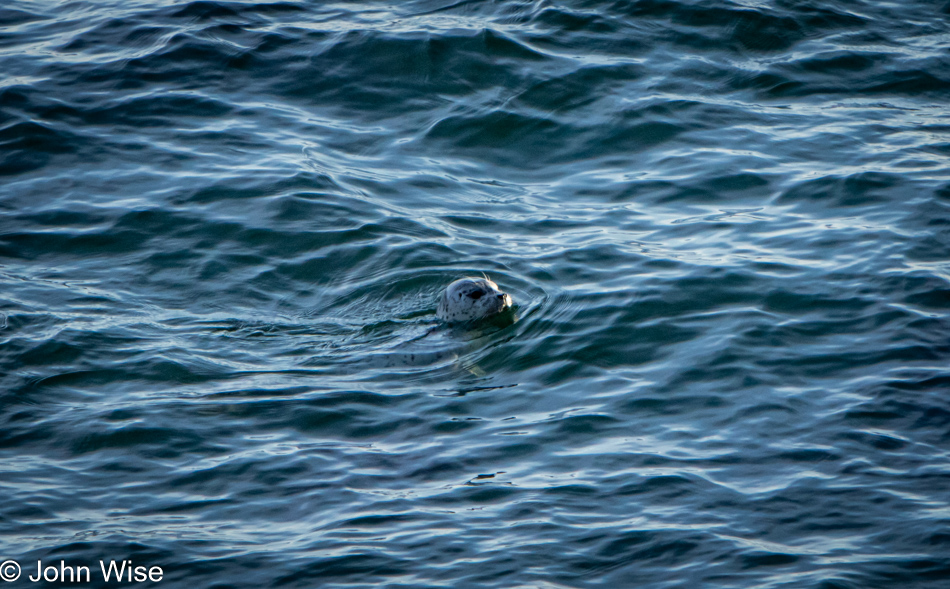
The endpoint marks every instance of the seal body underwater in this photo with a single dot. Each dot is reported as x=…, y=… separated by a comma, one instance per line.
x=468, y=299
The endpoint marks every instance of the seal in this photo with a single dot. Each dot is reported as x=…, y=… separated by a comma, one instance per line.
x=468, y=299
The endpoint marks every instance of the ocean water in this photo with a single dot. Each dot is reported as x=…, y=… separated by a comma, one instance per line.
x=725, y=224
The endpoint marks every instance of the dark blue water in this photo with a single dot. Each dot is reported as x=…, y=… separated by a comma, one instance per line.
x=726, y=226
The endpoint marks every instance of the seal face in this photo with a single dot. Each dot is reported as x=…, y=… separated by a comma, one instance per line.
x=468, y=299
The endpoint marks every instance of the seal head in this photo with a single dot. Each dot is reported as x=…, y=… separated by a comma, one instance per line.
x=468, y=299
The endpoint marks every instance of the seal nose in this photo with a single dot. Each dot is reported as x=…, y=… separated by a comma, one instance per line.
x=505, y=299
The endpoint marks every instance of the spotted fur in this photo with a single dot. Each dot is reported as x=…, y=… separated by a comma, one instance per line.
x=468, y=299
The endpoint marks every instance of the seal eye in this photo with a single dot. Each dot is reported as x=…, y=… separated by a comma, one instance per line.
x=476, y=294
